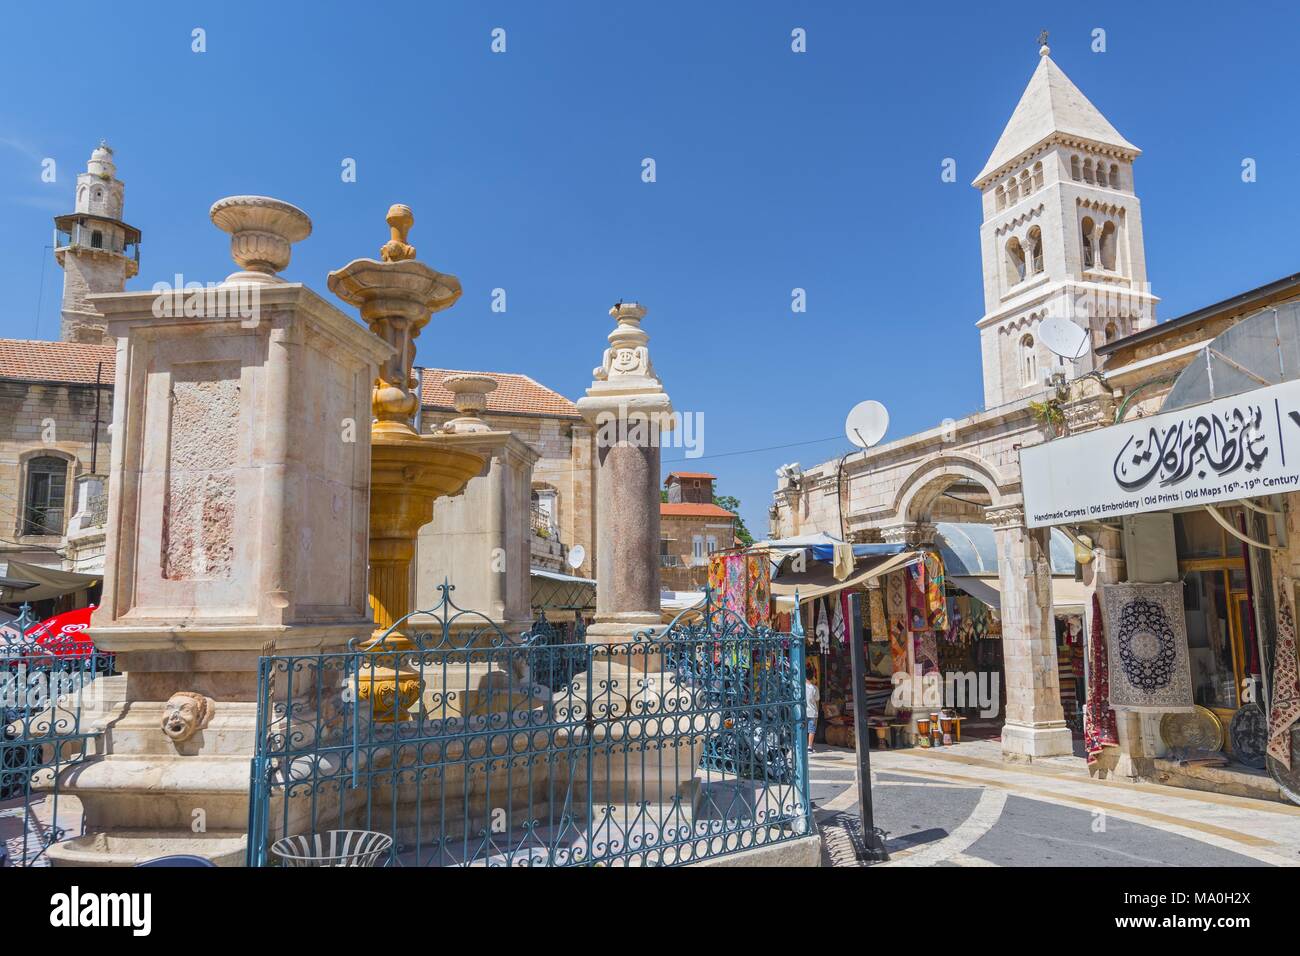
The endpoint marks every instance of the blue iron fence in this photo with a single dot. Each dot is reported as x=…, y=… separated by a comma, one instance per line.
x=668, y=749
x=49, y=695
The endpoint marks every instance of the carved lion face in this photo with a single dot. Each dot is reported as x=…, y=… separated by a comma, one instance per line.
x=186, y=714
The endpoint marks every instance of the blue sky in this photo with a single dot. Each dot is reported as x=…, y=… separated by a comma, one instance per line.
x=775, y=170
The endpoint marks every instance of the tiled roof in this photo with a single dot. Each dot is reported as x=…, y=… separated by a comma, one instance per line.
x=688, y=509
x=690, y=474
x=34, y=361
x=514, y=395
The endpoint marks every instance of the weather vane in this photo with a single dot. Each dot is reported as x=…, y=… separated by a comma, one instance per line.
x=1042, y=38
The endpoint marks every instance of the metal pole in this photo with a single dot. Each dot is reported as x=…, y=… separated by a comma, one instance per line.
x=873, y=841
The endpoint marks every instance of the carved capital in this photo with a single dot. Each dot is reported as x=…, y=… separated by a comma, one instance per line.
x=1006, y=517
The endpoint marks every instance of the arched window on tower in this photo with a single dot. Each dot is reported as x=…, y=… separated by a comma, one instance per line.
x=1028, y=361
x=1086, y=229
x=1002, y=198
x=1074, y=168
x=1038, y=175
x=1035, y=251
x=1026, y=184
x=1106, y=246
x=1015, y=262
x=1111, y=332
x=1013, y=192
x=1114, y=176
x=1087, y=171
x=96, y=239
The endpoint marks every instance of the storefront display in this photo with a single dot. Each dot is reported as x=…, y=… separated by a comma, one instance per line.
x=1146, y=632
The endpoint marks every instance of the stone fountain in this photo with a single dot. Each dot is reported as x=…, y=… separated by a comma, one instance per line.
x=397, y=295
x=236, y=528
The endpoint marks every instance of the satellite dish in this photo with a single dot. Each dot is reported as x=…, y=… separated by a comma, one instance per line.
x=867, y=423
x=1063, y=337
x=577, y=554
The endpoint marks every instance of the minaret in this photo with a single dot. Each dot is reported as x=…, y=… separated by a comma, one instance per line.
x=97, y=250
x=1062, y=236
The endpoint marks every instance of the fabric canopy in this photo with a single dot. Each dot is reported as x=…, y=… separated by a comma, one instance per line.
x=1068, y=595
x=49, y=583
x=820, y=579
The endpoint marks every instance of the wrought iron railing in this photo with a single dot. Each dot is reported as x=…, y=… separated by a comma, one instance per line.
x=47, y=690
x=666, y=749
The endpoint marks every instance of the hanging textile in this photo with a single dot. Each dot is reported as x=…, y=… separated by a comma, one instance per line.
x=823, y=628
x=841, y=561
x=876, y=609
x=1099, y=725
x=838, y=624
x=1284, y=705
x=1146, y=633
x=918, y=601
x=758, y=595
x=926, y=648
x=936, y=606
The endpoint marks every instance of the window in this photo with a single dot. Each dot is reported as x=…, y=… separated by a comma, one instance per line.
x=1035, y=238
x=47, y=483
x=1114, y=176
x=97, y=240
x=1074, y=168
x=1028, y=361
x=1015, y=262
x=1038, y=175
x=1002, y=197
x=1106, y=246
x=1087, y=171
x=712, y=544
x=1111, y=331
x=698, y=554
x=1013, y=192
x=1086, y=228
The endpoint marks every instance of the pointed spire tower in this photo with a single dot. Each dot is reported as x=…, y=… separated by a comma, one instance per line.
x=1062, y=236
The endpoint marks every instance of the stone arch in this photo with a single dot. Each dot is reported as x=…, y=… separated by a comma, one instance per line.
x=919, y=490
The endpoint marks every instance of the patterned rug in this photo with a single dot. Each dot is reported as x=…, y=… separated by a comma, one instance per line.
x=1146, y=634
x=1284, y=707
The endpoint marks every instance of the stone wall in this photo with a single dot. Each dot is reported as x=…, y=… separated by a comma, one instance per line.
x=678, y=572
x=30, y=412
x=565, y=464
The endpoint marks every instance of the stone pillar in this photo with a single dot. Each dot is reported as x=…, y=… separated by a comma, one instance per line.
x=236, y=527
x=1035, y=723
x=628, y=409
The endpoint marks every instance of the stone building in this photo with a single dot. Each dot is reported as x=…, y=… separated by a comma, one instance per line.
x=1061, y=238
x=563, y=511
x=691, y=527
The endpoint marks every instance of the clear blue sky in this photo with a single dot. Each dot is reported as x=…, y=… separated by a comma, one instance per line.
x=775, y=170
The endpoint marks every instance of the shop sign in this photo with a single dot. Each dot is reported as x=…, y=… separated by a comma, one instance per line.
x=1224, y=450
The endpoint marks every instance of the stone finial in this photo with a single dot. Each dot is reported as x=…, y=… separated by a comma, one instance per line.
x=470, y=399
x=262, y=231
x=400, y=219
x=627, y=355
x=1043, y=48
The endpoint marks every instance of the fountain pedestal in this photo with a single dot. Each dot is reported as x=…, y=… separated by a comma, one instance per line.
x=236, y=527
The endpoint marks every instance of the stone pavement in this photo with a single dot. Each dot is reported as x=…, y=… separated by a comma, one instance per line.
x=962, y=806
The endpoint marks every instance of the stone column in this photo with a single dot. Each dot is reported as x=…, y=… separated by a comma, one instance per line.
x=628, y=409
x=1035, y=723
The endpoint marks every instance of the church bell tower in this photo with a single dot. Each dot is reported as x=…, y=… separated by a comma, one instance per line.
x=1062, y=236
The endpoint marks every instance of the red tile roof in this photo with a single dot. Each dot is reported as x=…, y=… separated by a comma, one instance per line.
x=690, y=474
x=687, y=509
x=514, y=395
x=75, y=362
x=34, y=361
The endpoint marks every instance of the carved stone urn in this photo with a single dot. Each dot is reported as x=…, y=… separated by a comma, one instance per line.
x=262, y=231
x=470, y=395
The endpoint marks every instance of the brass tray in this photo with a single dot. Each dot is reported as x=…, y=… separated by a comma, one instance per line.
x=1200, y=729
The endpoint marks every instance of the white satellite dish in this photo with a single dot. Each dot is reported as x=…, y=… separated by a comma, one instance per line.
x=1063, y=337
x=577, y=554
x=867, y=423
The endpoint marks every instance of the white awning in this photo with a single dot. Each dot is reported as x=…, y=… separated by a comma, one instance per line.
x=1068, y=595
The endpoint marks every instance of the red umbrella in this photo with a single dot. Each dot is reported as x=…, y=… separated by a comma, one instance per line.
x=65, y=634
